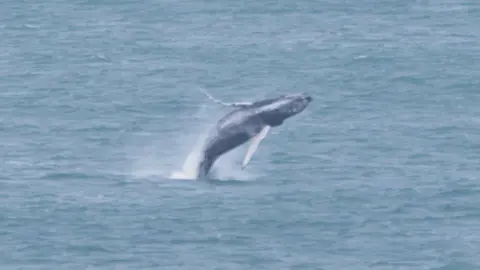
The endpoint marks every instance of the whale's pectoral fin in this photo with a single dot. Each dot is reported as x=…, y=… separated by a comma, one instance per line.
x=255, y=141
x=233, y=104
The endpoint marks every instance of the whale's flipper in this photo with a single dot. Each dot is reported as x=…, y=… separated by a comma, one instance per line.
x=255, y=141
x=233, y=104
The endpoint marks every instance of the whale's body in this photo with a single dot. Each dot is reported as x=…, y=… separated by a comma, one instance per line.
x=249, y=121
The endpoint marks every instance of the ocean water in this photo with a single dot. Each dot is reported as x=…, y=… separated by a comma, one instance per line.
x=100, y=108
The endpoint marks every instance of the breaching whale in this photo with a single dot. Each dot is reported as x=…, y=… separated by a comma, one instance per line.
x=249, y=121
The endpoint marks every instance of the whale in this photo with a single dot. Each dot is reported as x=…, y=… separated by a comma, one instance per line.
x=248, y=122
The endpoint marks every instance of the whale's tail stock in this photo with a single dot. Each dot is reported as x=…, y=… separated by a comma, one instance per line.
x=204, y=167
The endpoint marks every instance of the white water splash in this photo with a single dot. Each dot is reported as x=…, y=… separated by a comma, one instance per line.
x=177, y=156
x=190, y=166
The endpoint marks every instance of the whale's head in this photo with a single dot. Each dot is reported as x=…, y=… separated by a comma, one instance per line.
x=284, y=107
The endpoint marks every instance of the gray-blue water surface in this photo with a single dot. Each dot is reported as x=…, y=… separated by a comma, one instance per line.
x=100, y=104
